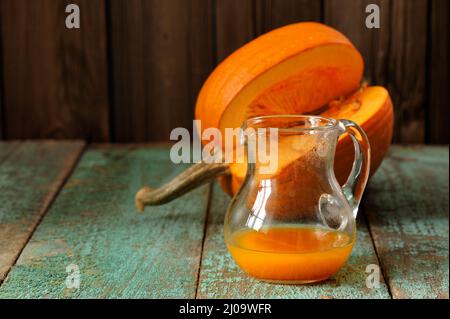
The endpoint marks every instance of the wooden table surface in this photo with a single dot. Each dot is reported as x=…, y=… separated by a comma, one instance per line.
x=64, y=203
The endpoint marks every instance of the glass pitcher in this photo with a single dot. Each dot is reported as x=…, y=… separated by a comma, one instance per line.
x=296, y=224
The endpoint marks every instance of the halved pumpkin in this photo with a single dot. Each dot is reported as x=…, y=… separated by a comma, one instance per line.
x=303, y=68
x=371, y=108
x=295, y=69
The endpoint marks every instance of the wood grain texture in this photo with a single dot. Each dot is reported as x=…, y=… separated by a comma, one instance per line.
x=31, y=174
x=123, y=254
x=1, y=83
x=133, y=71
x=271, y=14
x=202, y=50
x=120, y=253
x=438, y=101
x=161, y=52
x=234, y=25
x=407, y=65
x=407, y=204
x=395, y=55
x=221, y=278
x=6, y=149
x=55, y=79
x=348, y=16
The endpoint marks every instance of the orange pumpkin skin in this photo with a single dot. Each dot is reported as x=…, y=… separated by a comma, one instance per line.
x=266, y=55
x=379, y=129
x=378, y=126
x=265, y=76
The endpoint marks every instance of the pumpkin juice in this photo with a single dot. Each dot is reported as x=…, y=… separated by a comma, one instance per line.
x=290, y=254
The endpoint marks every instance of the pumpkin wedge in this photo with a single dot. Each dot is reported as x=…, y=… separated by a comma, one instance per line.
x=370, y=107
x=295, y=69
x=303, y=68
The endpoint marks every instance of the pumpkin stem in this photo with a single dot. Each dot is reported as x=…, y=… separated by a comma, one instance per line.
x=196, y=175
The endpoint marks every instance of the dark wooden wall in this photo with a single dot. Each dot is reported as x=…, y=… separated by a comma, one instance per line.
x=134, y=68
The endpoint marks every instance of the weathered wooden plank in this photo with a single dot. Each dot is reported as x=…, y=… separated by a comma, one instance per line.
x=234, y=25
x=6, y=149
x=407, y=208
x=221, y=278
x=395, y=54
x=407, y=65
x=270, y=14
x=1, y=90
x=55, y=79
x=161, y=54
x=31, y=174
x=120, y=253
x=438, y=100
x=202, y=52
x=348, y=16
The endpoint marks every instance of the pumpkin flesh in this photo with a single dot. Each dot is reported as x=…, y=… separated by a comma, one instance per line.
x=370, y=107
x=295, y=55
x=304, y=68
x=299, y=85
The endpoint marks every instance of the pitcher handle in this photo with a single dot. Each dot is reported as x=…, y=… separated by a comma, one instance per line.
x=356, y=182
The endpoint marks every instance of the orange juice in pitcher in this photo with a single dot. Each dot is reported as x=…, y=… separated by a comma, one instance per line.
x=296, y=224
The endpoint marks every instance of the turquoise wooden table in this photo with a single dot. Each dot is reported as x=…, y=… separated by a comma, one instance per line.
x=66, y=207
